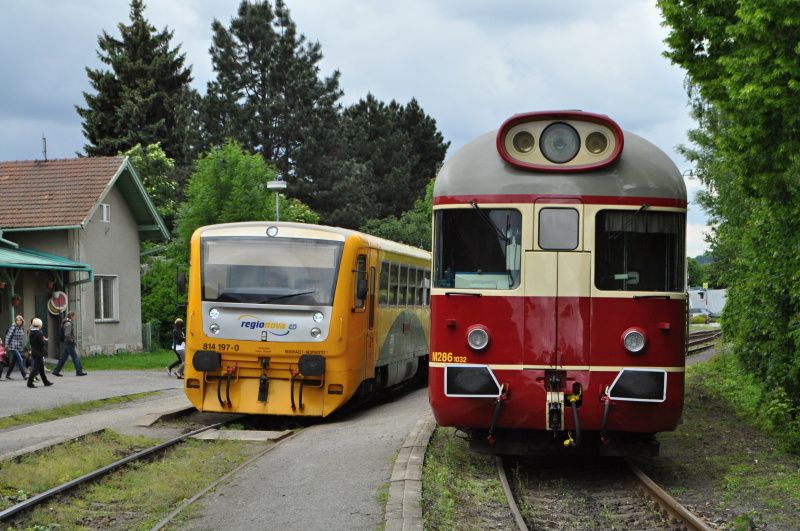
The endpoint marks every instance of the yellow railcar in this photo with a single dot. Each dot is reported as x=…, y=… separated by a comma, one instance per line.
x=295, y=319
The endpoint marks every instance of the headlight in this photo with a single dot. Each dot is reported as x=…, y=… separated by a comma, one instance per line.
x=213, y=313
x=478, y=338
x=596, y=143
x=214, y=328
x=318, y=317
x=634, y=341
x=316, y=332
x=560, y=142
x=523, y=142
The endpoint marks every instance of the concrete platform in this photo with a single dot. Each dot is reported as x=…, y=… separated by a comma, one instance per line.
x=242, y=435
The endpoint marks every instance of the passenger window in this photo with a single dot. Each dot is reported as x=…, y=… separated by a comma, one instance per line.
x=401, y=297
x=420, y=300
x=383, y=291
x=393, y=278
x=426, y=289
x=558, y=229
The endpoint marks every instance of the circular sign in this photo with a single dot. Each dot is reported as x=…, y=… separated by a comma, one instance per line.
x=57, y=303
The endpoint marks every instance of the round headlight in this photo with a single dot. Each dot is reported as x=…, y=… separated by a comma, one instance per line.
x=596, y=143
x=478, y=338
x=318, y=317
x=560, y=142
x=634, y=341
x=316, y=332
x=214, y=328
x=523, y=142
x=213, y=313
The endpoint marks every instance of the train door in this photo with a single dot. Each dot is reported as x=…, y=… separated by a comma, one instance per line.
x=558, y=288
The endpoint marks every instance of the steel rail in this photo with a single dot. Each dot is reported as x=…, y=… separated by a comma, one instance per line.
x=512, y=503
x=69, y=485
x=667, y=502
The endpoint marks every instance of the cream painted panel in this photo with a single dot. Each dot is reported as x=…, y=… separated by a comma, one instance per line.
x=574, y=274
x=541, y=271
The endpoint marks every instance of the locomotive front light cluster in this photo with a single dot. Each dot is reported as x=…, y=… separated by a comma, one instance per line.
x=560, y=141
x=634, y=340
x=478, y=338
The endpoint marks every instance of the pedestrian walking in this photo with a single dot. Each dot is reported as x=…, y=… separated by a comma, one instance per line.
x=15, y=340
x=178, y=347
x=38, y=343
x=66, y=333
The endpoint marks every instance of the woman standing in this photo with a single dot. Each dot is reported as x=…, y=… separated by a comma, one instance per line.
x=15, y=339
x=38, y=342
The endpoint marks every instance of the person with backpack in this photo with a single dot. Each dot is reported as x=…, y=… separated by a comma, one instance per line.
x=66, y=334
x=15, y=340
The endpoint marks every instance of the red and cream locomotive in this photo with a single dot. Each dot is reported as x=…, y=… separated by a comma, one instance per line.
x=558, y=305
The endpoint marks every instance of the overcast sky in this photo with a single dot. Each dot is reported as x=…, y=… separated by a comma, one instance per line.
x=470, y=63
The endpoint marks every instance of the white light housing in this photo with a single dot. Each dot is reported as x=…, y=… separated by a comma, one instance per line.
x=634, y=341
x=318, y=317
x=214, y=328
x=478, y=338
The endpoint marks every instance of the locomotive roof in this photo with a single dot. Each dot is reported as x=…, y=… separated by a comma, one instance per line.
x=642, y=170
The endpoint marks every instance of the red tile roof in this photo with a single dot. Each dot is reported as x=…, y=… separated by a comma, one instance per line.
x=53, y=193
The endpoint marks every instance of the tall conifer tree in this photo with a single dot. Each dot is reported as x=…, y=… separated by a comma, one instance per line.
x=268, y=95
x=142, y=97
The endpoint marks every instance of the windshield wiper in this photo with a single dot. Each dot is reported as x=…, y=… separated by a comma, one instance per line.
x=485, y=217
x=287, y=296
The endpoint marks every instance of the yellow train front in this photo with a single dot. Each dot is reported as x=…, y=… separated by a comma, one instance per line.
x=295, y=319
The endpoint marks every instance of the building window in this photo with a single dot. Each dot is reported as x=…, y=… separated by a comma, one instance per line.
x=105, y=298
x=105, y=212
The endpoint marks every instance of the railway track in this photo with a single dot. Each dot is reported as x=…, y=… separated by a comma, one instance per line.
x=589, y=494
x=704, y=340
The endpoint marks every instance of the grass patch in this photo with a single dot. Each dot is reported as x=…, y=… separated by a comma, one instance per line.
x=460, y=489
x=140, y=495
x=128, y=361
x=69, y=410
x=38, y=472
x=728, y=459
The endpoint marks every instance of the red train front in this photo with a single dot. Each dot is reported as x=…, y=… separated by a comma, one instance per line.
x=558, y=308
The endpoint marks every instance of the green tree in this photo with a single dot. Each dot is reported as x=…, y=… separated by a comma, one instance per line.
x=142, y=98
x=155, y=169
x=229, y=185
x=696, y=273
x=743, y=73
x=268, y=95
x=393, y=151
x=413, y=227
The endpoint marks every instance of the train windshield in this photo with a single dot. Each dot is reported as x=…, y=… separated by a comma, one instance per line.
x=477, y=248
x=639, y=250
x=288, y=271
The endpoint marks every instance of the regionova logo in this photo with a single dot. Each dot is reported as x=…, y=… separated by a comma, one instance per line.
x=252, y=322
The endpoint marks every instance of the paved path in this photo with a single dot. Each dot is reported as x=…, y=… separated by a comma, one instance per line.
x=327, y=477
x=16, y=397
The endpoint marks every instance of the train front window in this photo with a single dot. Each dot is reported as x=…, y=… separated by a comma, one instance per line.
x=639, y=250
x=477, y=248
x=288, y=271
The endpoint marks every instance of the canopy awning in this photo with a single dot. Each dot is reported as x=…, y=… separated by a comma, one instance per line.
x=29, y=259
